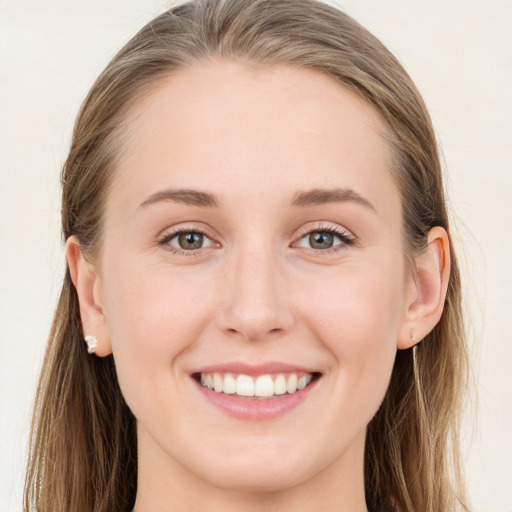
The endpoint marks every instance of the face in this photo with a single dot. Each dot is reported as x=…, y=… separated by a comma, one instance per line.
x=252, y=243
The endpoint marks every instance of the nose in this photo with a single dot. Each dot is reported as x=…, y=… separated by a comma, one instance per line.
x=256, y=304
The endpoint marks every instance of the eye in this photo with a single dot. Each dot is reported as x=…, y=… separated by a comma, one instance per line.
x=186, y=240
x=325, y=239
x=320, y=240
x=189, y=241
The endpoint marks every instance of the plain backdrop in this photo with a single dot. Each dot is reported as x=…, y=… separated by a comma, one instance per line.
x=460, y=55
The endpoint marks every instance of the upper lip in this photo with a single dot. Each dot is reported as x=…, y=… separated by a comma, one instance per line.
x=241, y=367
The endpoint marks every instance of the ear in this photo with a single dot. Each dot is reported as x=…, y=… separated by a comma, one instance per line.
x=427, y=289
x=87, y=283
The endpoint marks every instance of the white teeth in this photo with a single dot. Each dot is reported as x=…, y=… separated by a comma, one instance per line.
x=291, y=385
x=303, y=381
x=280, y=385
x=244, y=385
x=229, y=384
x=263, y=386
x=217, y=382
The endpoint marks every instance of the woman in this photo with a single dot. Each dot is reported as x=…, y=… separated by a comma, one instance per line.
x=260, y=264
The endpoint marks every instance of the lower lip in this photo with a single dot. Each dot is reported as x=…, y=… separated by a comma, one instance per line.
x=254, y=409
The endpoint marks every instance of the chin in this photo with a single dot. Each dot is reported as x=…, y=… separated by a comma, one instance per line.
x=257, y=478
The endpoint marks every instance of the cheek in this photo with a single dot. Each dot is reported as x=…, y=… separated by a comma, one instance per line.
x=364, y=305
x=153, y=318
x=357, y=315
x=150, y=305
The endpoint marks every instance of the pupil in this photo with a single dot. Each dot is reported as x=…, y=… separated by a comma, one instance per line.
x=321, y=240
x=190, y=240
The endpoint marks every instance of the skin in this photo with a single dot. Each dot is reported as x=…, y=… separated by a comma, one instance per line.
x=256, y=291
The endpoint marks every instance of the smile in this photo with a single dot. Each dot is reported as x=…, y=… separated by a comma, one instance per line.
x=261, y=387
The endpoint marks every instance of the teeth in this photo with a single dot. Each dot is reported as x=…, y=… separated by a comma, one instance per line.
x=304, y=380
x=280, y=385
x=217, y=382
x=244, y=385
x=263, y=386
x=229, y=386
x=291, y=384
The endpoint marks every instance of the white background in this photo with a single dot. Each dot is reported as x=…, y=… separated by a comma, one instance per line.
x=460, y=55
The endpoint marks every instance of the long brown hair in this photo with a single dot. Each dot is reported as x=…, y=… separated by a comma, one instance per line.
x=83, y=443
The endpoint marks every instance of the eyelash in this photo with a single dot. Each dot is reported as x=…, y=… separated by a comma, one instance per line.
x=346, y=238
x=343, y=235
x=165, y=239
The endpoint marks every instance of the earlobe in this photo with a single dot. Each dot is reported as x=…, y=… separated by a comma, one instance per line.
x=87, y=282
x=428, y=287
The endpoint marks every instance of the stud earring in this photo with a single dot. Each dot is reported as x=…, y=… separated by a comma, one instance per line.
x=92, y=343
x=413, y=336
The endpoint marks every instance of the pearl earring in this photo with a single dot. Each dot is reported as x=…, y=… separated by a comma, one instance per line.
x=92, y=343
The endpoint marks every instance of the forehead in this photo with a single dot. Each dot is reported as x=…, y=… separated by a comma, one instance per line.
x=227, y=126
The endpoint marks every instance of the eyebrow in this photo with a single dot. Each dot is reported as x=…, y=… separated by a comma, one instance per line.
x=314, y=197
x=319, y=196
x=183, y=196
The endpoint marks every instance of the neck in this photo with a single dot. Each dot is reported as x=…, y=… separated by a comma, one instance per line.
x=165, y=485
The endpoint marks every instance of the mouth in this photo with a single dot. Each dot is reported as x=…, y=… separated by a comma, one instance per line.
x=256, y=392
x=256, y=387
